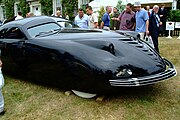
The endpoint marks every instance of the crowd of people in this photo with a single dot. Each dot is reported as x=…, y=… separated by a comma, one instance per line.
x=147, y=22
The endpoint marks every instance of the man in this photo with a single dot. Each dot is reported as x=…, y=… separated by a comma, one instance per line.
x=105, y=24
x=29, y=14
x=127, y=18
x=93, y=19
x=58, y=13
x=81, y=19
x=154, y=22
x=66, y=16
x=148, y=10
x=19, y=16
x=115, y=23
x=142, y=20
x=163, y=17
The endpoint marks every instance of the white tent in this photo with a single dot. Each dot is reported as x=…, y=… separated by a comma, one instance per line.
x=97, y=4
x=149, y=1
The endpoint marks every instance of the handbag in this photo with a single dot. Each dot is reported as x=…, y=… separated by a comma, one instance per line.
x=149, y=40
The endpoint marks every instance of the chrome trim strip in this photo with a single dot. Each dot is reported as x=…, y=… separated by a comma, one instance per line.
x=146, y=80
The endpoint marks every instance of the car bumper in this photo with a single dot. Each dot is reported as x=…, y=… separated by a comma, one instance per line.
x=1, y=95
x=146, y=80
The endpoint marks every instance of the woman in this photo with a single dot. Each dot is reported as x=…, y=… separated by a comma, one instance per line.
x=1, y=86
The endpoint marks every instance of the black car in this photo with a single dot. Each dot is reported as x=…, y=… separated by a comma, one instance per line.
x=90, y=61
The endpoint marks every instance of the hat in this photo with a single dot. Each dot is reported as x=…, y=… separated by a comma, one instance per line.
x=137, y=4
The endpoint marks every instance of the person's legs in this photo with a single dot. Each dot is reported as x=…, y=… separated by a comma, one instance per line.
x=161, y=30
x=155, y=42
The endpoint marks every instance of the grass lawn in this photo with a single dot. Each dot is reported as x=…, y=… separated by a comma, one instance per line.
x=24, y=100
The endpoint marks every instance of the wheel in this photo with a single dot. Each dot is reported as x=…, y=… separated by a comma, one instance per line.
x=83, y=94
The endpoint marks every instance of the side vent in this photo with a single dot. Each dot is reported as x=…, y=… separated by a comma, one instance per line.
x=109, y=48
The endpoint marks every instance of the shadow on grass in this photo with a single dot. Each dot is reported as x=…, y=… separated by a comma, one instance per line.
x=50, y=79
x=144, y=93
x=147, y=93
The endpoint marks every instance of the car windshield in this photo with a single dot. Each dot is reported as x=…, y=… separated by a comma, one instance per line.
x=43, y=29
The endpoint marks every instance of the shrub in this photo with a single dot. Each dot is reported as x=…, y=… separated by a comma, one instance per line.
x=70, y=7
x=175, y=15
x=101, y=13
x=46, y=7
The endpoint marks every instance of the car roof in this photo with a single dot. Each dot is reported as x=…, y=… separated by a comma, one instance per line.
x=32, y=21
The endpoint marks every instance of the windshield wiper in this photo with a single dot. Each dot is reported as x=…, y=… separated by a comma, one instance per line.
x=47, y=32
x=58, y=30
x=42, y=33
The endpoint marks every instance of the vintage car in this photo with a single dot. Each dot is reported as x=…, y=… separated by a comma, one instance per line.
x=89, y=62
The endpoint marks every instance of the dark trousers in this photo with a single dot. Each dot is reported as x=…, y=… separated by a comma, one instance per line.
x=155, y=40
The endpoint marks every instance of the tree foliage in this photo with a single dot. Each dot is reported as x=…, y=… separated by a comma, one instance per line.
x=101, y=13
x=9, y=7
x=69, y=6
x=46, y=7
x=23, y=5
x=175, y=15
x=119, y=6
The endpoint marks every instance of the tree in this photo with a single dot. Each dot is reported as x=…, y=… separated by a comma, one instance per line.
x=23, y=5
x=175, y=15
x=101, y=13
x=9, y=7
x=119, y=6
x=24, y=8
x=46, y=7
x=69, y=6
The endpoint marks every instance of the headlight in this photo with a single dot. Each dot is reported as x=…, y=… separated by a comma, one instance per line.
x=124, y=73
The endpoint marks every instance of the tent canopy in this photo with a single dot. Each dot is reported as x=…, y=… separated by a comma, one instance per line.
x=113, y=3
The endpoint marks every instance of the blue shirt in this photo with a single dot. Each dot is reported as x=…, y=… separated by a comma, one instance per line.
x=141, y=18
x=82, y=22
x=106, y=19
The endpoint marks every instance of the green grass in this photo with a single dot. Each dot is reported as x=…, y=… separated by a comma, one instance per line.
x=24, y=100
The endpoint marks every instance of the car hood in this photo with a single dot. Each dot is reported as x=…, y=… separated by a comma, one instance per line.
x=106, y=52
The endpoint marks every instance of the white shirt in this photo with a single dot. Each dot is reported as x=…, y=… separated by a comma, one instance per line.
x=82, y=22
x=18, y=17
x=92, y=19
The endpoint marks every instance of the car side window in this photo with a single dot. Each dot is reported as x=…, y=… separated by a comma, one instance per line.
x=43, y=29
x=14, y=33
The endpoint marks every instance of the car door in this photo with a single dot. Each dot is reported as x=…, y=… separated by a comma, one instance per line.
x=25, y=58
x=12, y=42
